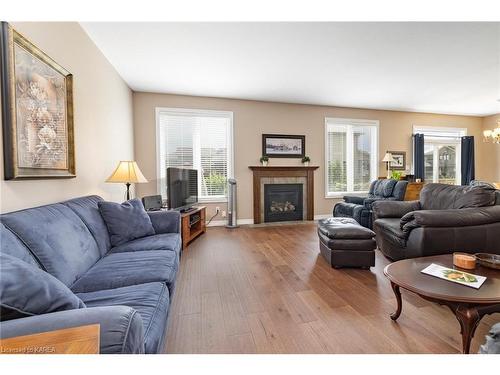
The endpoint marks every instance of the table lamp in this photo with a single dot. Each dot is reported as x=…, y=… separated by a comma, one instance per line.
x=127, y=172
x=388, y=159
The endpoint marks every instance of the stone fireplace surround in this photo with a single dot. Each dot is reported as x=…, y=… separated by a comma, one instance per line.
x=278, y=181
x=283, y=175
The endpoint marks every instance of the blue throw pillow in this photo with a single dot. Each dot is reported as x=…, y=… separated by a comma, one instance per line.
x=126, y=221
x=26, y=290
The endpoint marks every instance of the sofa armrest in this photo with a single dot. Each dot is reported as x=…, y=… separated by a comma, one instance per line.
x=354, y=199
x=393, y=209
x=457, y=217
x=166, y=221
x=121, y=327
x=369, y=201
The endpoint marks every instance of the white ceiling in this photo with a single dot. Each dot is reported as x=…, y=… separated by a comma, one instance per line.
x=423, y=67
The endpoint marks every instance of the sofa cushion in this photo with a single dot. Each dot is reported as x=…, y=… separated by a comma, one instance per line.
x=88, y=210
x=26, y=290
x=57, y=237
x=442, y=196
x=126, y=221
x=151, y=301
x=392, y=226
x=487, y=184
x=399, y=190
x=165, y=221
x=166, y=241
x=384, y=188
x=10, y=244
x=129, y=268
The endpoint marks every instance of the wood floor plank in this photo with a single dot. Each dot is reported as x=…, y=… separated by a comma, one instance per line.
x=213, y=337
x=242, y=343
x=235, y=320
x=245, y=289
x=266, y=289
x=189, y=286
x=266, y=337
x=184, y=336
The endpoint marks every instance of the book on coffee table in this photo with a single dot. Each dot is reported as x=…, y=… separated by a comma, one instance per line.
x=456, y=276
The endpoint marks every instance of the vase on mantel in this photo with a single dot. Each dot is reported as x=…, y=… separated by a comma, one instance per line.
x=306, y=164
x=264, y=163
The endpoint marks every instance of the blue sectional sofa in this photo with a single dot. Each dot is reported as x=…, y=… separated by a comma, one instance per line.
x=126, y=289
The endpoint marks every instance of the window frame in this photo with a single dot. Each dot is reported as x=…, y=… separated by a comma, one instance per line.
x=201, y=113
x=350, y=122
x=453, y=140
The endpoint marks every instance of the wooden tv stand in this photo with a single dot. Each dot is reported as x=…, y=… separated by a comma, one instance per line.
x=193, y=224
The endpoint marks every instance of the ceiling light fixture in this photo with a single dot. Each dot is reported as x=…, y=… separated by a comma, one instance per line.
x=492, y=136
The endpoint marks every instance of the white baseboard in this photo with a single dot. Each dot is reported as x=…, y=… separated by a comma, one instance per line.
x=319, y=217
x=245, y=221
x=217, y=223
x=221, y=223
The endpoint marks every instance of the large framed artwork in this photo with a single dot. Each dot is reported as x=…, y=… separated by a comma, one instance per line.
x=398, y=160
x=37, y=111
x=283, y=146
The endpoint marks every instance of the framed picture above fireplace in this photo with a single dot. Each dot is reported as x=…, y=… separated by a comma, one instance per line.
x=283, y=146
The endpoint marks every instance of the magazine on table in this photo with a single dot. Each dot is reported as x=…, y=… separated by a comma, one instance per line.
x=456, y=276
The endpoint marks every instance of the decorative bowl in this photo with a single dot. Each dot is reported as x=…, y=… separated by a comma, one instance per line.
x=464, y=260
x=488, y=260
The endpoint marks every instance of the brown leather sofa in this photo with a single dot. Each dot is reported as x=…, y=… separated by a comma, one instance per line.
x=446, y=219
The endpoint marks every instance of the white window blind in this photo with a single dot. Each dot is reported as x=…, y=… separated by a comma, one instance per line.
x=351, y=155
x=196, y=139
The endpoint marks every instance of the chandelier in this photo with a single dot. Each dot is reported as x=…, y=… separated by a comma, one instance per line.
x=492, y=136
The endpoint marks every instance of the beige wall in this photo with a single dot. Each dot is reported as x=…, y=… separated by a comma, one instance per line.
x=103, y=119
x=491, y=150
x=252, y=118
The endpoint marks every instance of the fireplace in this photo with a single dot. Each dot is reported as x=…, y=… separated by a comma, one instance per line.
x=284, y=176
x=283, y=202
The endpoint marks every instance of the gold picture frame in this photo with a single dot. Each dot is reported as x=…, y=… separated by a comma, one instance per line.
x=37, y=111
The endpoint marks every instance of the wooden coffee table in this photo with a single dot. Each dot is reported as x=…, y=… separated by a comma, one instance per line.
x=468, y=304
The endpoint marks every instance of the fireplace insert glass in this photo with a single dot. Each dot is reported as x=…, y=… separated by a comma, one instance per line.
x=283, y=202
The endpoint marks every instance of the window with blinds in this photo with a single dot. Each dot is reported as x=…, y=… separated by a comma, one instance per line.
x=196, y=139
x=351, y=155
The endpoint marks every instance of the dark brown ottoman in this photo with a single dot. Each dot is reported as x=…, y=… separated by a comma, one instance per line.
x=345, y=243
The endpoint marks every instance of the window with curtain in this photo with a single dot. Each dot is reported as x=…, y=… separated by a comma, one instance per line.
x=442, y=154
x=351, y=155
x=196, y=139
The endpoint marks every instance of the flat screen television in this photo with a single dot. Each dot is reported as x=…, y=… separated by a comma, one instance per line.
x=182, y=188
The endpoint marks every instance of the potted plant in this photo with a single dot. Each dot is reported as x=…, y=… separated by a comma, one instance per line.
x=396, y=175
x=264, y=160
x=306, y=160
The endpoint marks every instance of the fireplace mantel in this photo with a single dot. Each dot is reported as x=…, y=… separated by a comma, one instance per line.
x=260, y=172
x=271, y=168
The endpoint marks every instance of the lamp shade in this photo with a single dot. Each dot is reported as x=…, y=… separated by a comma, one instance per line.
x=388, y=157
x=127, y=172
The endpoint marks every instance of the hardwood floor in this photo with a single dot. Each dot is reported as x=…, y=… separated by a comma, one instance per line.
x=267, y=290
